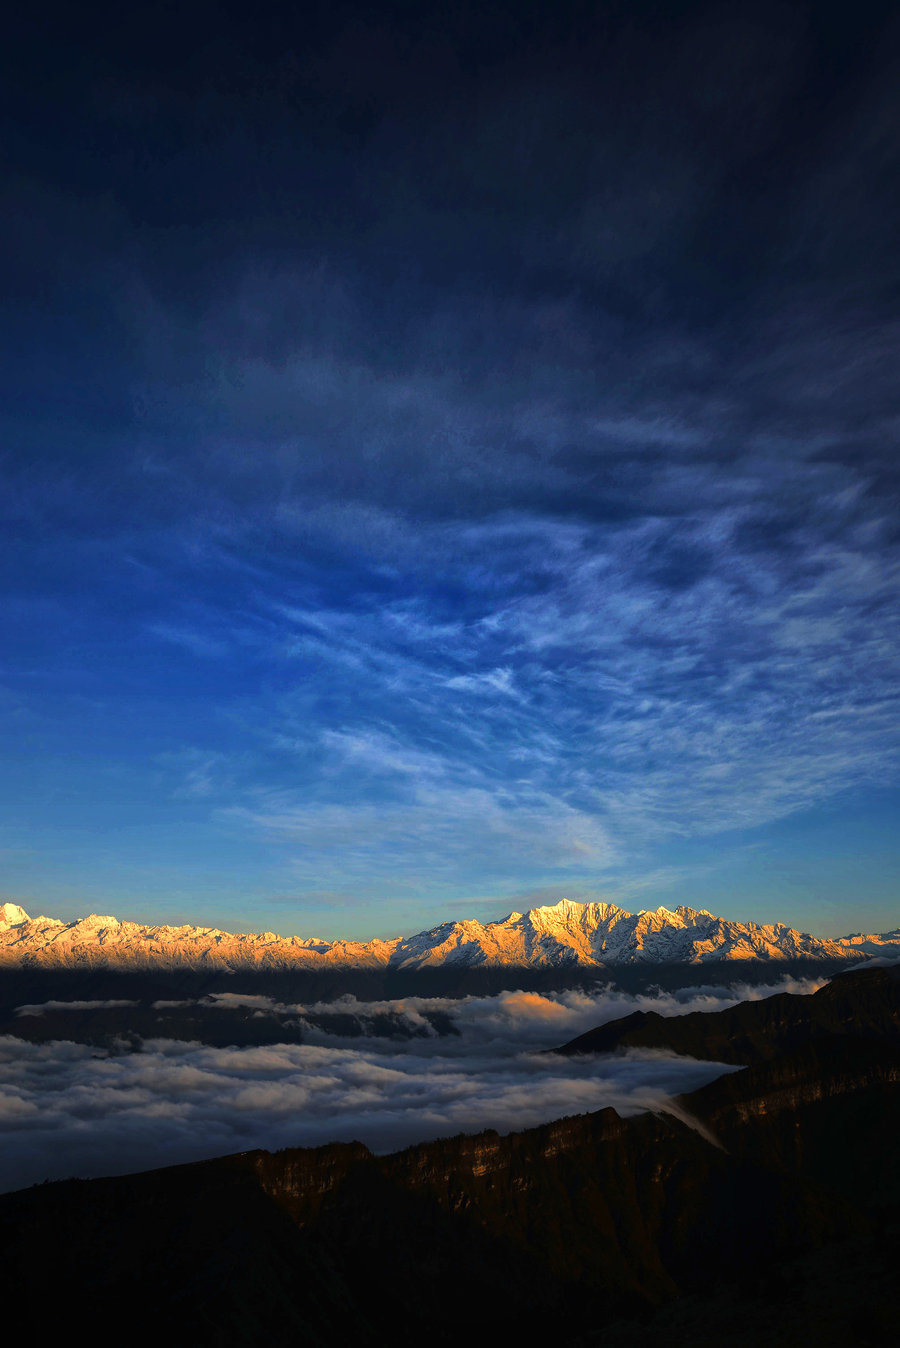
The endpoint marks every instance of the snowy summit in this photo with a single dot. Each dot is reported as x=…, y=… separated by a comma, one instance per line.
x=563, y=934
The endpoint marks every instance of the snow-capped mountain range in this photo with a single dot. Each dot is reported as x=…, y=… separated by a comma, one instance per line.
x=562, y=935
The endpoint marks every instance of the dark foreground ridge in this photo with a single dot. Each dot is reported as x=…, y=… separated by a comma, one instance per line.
x=764, y=1208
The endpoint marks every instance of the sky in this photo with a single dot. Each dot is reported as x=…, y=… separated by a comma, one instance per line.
x=449, y=462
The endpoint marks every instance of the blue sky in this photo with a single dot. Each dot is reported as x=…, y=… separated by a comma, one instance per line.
x=449, y=465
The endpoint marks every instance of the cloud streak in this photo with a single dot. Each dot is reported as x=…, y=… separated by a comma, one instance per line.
x=39, y=1008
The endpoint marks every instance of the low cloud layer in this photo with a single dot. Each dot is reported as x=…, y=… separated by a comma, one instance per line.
x=40, y=1008
x=497, y=1024
x=517, y=1021
x=66, y=1109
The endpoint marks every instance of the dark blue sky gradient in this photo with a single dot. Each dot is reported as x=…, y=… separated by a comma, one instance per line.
x=450, y=461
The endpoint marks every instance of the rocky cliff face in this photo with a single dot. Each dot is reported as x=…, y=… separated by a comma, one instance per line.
x=563, y=936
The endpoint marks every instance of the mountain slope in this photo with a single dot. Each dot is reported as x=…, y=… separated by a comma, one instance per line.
x=853, y=1005
x=590, y=1230
x=565, y=935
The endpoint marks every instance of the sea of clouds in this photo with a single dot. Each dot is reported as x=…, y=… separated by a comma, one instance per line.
x=69, y=1109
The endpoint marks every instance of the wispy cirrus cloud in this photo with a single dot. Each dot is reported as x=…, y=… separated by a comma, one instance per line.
x=526, y=507
x=675, y=674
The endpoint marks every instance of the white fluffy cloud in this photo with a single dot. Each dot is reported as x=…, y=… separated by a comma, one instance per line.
x=67, y=1110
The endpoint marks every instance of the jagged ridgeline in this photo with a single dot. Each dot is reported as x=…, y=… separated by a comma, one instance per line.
x=547, y=949
x=557, y=937
x=762, y=1209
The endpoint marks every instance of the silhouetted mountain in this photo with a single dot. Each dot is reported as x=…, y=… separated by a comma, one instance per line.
x=865, y=1002
x=741, y=1204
